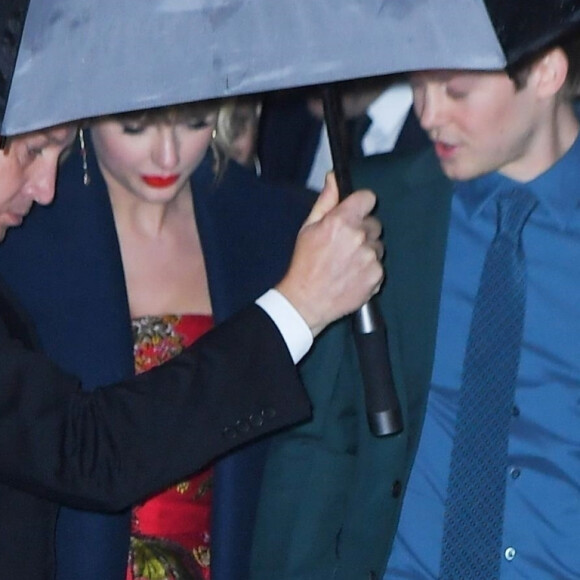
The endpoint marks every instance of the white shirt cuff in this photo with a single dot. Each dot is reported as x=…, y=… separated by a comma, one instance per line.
x=292, y=326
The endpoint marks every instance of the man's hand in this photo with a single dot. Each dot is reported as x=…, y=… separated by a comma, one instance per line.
x=336, y=264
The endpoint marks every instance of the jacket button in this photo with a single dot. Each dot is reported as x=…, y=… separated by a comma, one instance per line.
x=242, y=426
x=256, y=420
x=396, y=488
x=268, y=413
x=230, y=433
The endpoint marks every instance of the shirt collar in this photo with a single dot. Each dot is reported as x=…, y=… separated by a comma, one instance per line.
x=556, y=190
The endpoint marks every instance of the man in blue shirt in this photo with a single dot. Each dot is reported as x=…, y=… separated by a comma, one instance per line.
x=341, y=495
x=488, y=136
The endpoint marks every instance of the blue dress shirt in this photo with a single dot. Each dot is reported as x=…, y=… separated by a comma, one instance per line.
x=541, y=536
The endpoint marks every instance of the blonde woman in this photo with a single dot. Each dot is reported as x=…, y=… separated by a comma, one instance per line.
x=166, y=240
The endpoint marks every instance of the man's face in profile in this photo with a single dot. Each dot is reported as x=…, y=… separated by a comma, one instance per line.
x=28, y=166
x=479, y=123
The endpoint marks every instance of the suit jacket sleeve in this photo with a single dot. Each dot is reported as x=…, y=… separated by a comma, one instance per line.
x=111, y=447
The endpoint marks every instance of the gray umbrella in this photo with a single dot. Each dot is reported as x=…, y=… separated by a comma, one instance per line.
x=82, y=58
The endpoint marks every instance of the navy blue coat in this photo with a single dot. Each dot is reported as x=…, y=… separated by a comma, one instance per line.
x=71, y=282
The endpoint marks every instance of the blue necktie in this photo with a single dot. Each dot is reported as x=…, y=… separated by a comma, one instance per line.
x=472, y=532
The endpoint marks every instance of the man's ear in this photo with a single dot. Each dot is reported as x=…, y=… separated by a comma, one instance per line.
x=549, y=72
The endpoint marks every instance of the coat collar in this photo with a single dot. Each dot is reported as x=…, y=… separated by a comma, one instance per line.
x=247, y=230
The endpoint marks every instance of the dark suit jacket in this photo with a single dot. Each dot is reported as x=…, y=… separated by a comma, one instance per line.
x=332, y=491
x=72, y=283
x=289, y=136
x=110, y=448
x=287, y=139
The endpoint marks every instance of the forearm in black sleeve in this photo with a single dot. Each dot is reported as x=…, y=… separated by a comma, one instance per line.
x=111, y=447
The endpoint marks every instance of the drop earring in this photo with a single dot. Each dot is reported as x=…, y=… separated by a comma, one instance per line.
x=86, y=176
x=217, y=161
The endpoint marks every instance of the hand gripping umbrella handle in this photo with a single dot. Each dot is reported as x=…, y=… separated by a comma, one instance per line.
x=369, y=328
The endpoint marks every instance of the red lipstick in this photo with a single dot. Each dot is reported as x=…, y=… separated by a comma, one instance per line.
x=159, y=180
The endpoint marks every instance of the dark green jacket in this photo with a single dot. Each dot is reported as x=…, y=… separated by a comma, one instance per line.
x=332, y=492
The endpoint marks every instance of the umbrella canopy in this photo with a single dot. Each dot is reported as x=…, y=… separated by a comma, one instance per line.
x=70, y=59
x=82, y=58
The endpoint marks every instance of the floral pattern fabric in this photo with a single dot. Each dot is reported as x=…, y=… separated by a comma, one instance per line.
x=170, y=532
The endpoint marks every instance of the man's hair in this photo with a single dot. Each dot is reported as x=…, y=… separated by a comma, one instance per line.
x=572, y=50
x=571, y=47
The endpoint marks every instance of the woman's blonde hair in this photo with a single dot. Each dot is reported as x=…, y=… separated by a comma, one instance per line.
x=231, y=120
x=236, y=114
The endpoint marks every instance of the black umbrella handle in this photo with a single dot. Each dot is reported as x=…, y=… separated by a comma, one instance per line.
x=382, y=404
x=369, y=328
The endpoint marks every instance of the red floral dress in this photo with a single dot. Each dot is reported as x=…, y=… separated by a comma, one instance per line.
x=170, y=532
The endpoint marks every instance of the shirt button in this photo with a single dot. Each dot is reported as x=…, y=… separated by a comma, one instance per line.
x=510, y=554
x=515, y=472
x=515, y=411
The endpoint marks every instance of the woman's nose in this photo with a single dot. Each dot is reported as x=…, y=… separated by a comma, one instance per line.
x=166, y=151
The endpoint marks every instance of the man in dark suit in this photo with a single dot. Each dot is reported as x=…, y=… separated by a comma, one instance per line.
x=94, y=450
x=332, y=504
x=293, y=146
